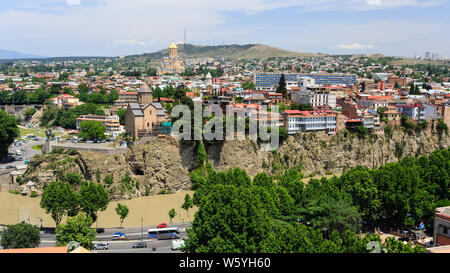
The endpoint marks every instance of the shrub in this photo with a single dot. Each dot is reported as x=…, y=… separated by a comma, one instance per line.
x=14, y=191
x=33, y=194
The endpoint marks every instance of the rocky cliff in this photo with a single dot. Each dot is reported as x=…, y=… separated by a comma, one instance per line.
x=158, y=165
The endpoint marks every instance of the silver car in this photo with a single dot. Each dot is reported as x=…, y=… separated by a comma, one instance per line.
x=101, y=246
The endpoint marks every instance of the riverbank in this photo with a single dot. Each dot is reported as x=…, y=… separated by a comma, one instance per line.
x=153, y=209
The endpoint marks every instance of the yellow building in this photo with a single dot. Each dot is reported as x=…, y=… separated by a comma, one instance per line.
x=172, y=64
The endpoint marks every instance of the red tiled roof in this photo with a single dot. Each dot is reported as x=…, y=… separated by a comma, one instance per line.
x=36, y=250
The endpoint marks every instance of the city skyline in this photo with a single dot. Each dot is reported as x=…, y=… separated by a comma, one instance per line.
x=114, y=28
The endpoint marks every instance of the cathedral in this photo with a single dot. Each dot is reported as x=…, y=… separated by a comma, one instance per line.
x=172, y=64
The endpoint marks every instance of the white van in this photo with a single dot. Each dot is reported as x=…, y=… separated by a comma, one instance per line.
x=18, y=152
x=177, y=244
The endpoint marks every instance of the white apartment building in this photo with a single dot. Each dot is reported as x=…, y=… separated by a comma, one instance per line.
x=306, y=121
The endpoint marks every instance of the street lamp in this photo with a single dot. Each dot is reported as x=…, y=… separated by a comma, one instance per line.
x=142, y=229
x=40, y=219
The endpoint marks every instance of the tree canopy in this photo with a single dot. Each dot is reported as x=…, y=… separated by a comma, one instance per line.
x=21, y=235
x=8, y=132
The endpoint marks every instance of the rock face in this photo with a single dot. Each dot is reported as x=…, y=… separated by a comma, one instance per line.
x=319, y=153
x=162, y=165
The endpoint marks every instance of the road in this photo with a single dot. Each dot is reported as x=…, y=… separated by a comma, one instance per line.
x=26, y=155
x=134, y=234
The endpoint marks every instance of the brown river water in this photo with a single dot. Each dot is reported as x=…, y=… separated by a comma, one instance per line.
x=153, y=209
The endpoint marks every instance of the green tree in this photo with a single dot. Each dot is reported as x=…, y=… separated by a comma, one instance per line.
x=248, y=85
x=282, y=86
x=92, y=198
x=441, y=128
x=59, y=199
x=29, y=112
x=22, y=235
x=122, y=211
x=8, y=132
x=92, y=130
x=230, y=220
x=172, y=214
x=77, y=229
x=121, y=113
x=202, y=156
x=188, y=203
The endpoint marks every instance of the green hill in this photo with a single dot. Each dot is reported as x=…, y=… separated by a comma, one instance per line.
x=249, y=51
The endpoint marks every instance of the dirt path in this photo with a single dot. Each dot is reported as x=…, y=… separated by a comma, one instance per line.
x=153, y=209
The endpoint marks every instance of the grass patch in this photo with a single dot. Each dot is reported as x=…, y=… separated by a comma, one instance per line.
x=36, y=147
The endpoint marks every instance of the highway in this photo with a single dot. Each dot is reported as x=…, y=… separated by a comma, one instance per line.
x=134, y=234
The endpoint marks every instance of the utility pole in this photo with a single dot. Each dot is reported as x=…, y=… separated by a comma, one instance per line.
x=142, y=229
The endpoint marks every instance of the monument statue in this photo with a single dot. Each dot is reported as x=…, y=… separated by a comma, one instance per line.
x=50, y=134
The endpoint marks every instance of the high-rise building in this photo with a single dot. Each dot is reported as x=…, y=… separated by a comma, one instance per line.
x=271, y=80
x=427, y=56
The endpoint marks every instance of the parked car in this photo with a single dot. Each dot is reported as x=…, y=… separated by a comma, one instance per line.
x=10, y=167
x=162, y=225
x=140, y=245
x=100, y=230
x=101, y=246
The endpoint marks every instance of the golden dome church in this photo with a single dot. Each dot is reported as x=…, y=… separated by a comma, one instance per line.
x=172, y=64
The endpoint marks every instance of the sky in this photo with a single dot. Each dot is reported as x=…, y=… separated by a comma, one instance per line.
x=118, y=27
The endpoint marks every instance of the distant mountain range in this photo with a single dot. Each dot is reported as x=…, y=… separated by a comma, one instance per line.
x=11, y=55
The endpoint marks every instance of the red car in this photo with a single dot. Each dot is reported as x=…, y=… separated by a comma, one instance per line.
x=162, y=225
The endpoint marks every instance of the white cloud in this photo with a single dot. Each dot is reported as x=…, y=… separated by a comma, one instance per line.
x=355, y=46
x=131, y=43
x=374, y=2
x=73, y=2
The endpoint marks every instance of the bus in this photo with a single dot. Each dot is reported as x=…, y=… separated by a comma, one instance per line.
x=164, y=233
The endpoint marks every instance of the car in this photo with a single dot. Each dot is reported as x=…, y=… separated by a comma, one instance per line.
x=119, y=236
x=89, y=141
x=162, y=225
x=26, y=162
x=19, y=159
x=100, y=230
x=140, y=245
x=23, y=150
x=10, y=167
x=101, y=246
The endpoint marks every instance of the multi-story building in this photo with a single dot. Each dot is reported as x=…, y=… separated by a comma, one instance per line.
x=441, y=234
x=125, y=98
x=65, y=101
x=316, y=96
x=374, y=102
x=269, y=81
x=296, y=121
x=112, y=123
x=413, y=111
